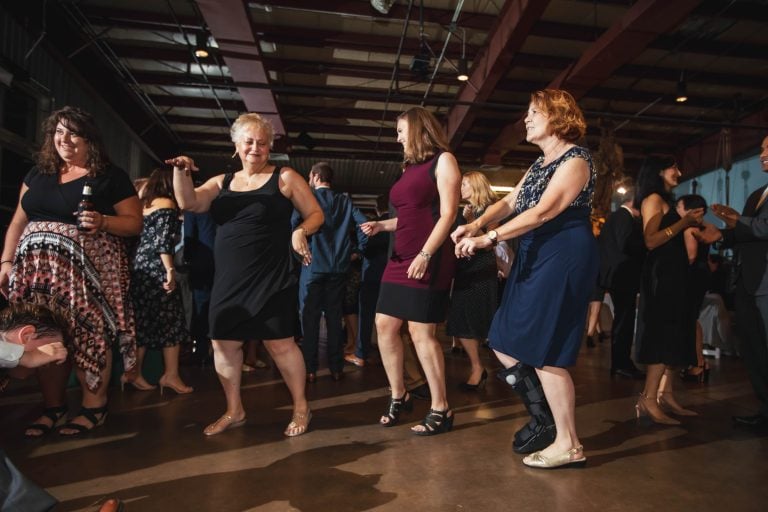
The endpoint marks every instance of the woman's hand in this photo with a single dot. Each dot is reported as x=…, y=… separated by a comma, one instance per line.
x=467, y=246
x=5, y=272
x=301, y=245
x=182, y=163
x=694, y=217
x=370, y=228
x=464, y=231
x=418, y=267
x=91, y=221
x=170, y=280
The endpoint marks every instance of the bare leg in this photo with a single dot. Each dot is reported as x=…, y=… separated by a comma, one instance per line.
x=290, y=361
x=666, y=396
x=137, y=379
x=432, y=362
x=391, y=349
x=472, y=348
x=647, y=402
x=505, y=360
x=350, y=323
x=91, y=399
x=53, y=386
x=228, y=361
x=558, y=388
x=170, y=377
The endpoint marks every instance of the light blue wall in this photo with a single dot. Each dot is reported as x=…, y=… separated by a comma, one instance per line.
x=745, y=176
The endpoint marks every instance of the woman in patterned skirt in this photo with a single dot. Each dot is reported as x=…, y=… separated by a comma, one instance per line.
x=156, y=302
x=82, y=273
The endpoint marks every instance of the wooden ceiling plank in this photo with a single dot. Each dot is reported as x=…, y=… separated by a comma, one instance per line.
x=620, y=44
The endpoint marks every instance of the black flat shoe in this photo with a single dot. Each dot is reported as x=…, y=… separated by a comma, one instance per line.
x=628, y=373
x=755, y=420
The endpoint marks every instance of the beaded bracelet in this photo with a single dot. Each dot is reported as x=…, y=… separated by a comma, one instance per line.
x=425, y=255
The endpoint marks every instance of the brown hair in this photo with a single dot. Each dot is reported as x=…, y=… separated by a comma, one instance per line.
x=80, y=123
x=45, y=321
x=425, y=136
x=159, y=184
x=481, y=195
x=566, y=121
x=323, y=171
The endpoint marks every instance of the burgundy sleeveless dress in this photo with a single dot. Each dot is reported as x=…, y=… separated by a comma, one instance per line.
x=416, y=204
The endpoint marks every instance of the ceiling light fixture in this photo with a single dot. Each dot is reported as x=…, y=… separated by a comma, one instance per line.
x=201, y=45
x=682, y=89
x=383, y=6
x=462, y=68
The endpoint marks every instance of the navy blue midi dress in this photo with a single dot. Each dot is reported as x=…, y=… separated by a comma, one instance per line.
x=544, y=307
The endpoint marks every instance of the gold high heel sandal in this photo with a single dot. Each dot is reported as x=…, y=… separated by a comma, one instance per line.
x=299, y=424
x=180, y=390
x=141, y=386
x=223, y=424
x=573, y=458
x=671, y=405
x=643, y=412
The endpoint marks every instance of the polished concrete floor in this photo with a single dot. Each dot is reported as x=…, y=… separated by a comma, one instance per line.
x=151, y=453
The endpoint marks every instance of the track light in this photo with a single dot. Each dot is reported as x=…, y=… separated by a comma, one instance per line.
x=462, y=71
x=383, y=6
x=421, y=61
x=201, y=45
x=682, y=89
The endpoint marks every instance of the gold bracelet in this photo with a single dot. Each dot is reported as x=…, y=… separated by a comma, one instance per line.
x=668, y=232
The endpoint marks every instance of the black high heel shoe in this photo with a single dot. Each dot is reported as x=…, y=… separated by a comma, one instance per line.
x=396, y=406
x=436, y=422
x=699, y=376
x=464, y=386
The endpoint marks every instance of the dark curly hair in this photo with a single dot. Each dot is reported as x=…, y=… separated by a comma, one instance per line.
x=81, y=123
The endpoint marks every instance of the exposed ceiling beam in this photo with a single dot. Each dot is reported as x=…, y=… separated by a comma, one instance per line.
x=229, y=24
x=645, y=21
x=515, y=21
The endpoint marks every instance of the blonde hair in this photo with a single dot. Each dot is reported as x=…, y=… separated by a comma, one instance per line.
x=252, y=119
x=425, y=136
x=481, y=196
x=565, y=117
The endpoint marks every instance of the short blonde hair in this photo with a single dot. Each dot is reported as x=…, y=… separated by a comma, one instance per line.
x=482, y=195
x=252, y=119
x=565, y=117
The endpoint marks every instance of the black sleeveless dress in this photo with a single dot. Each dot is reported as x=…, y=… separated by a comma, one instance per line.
x=255, y=288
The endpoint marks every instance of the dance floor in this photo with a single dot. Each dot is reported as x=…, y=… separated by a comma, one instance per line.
x=152, y=454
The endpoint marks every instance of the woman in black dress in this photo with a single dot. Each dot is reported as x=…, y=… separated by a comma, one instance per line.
x=664, y=338
x=475, y=287
x=156, y=303
x=255, y=290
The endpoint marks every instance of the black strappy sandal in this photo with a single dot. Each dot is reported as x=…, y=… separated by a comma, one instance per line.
x=396, y=406
x=57, y=415
x=436, y=422
x=97, y=416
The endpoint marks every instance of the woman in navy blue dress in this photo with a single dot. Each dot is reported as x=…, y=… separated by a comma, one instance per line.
x=542, y=314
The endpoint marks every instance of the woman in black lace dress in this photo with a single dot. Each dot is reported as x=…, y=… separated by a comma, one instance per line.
x=157, y=305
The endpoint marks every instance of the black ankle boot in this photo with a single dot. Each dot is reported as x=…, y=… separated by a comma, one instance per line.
x=540, y=431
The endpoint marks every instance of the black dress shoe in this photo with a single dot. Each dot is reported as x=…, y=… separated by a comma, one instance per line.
x=756, y=420
x=628, y=373
x=421, y=392
x=337, y=376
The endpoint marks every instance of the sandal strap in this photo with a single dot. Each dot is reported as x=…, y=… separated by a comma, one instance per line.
x=54, y=413
x=90, y=413
x=434, y=419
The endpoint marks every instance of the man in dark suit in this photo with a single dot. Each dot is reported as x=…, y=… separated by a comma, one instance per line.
x=622, y=251
x=748, y=233
x=326, y=275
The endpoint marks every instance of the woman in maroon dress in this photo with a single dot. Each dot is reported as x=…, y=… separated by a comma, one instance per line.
x=418, y=276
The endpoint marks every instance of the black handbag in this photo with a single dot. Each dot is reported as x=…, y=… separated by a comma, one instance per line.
x=19, y=494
